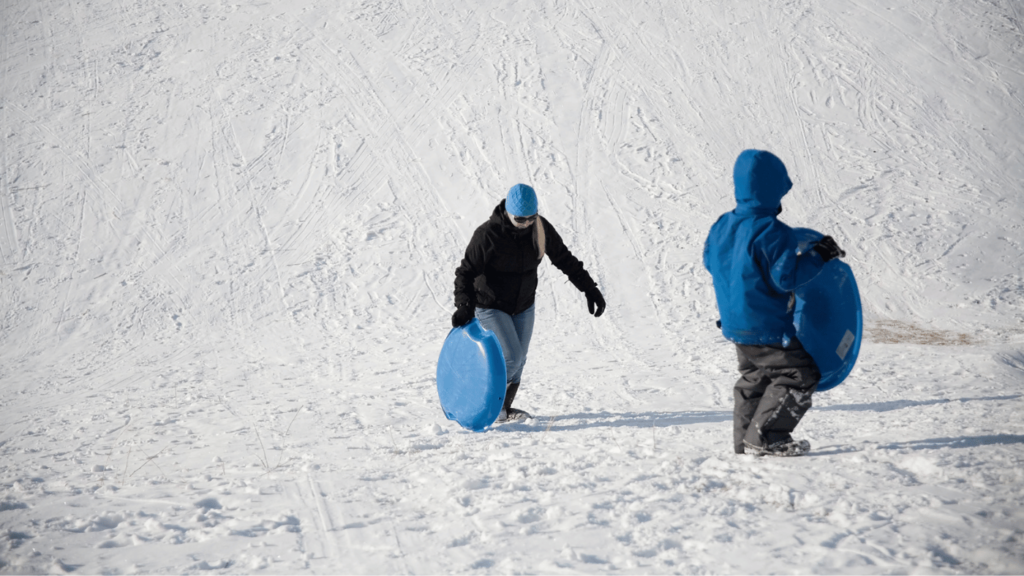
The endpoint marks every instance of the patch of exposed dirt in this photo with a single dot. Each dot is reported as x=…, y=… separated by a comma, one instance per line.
x=896, y=332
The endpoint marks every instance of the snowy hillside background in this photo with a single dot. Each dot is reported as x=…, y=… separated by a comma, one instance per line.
x=228, y=233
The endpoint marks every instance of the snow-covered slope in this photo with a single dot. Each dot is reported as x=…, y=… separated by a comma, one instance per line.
x=228, y=233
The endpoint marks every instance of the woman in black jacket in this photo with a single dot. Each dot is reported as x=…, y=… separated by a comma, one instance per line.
x=497, y=280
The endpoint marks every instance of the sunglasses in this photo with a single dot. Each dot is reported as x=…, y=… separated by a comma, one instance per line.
x=524, y=219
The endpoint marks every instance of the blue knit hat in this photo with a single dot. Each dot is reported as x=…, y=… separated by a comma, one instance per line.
x=521, y=201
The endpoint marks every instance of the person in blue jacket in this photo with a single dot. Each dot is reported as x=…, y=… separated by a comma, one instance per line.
x=753, y=260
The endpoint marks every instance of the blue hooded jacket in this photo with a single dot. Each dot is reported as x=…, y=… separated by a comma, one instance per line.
x=752, y=256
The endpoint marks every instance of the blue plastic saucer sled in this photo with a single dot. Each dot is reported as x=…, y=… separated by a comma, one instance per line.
x=471, y=376
x=828, y=317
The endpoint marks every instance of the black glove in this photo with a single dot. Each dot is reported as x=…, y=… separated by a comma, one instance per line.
x=462, y=316
x=594, y=298
x=828, y=249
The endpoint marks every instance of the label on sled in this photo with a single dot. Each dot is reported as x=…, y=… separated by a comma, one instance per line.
x=471, y=376
x=828, y=317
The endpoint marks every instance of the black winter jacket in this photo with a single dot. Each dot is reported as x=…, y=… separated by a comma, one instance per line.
x=500, y=267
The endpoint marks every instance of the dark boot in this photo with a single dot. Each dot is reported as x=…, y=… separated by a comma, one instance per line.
x=781, y=445
x=508, y=413
x=510, y=395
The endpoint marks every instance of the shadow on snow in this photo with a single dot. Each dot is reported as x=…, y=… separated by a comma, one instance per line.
x=929, y=444
x=586, y=420
x=901, y=404
x=582, y=420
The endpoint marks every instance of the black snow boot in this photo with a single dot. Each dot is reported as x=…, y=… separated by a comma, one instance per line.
x=780, y=446
x=508, y=413
x=510, y=395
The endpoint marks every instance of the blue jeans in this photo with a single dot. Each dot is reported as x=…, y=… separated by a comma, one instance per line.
x=514, y=333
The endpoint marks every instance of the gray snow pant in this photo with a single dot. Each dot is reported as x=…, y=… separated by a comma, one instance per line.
x=773, y=392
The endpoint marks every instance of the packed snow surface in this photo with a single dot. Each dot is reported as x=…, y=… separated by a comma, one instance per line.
x=228, y=236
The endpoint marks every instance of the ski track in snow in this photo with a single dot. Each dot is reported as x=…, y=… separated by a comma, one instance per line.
x=228, y=235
